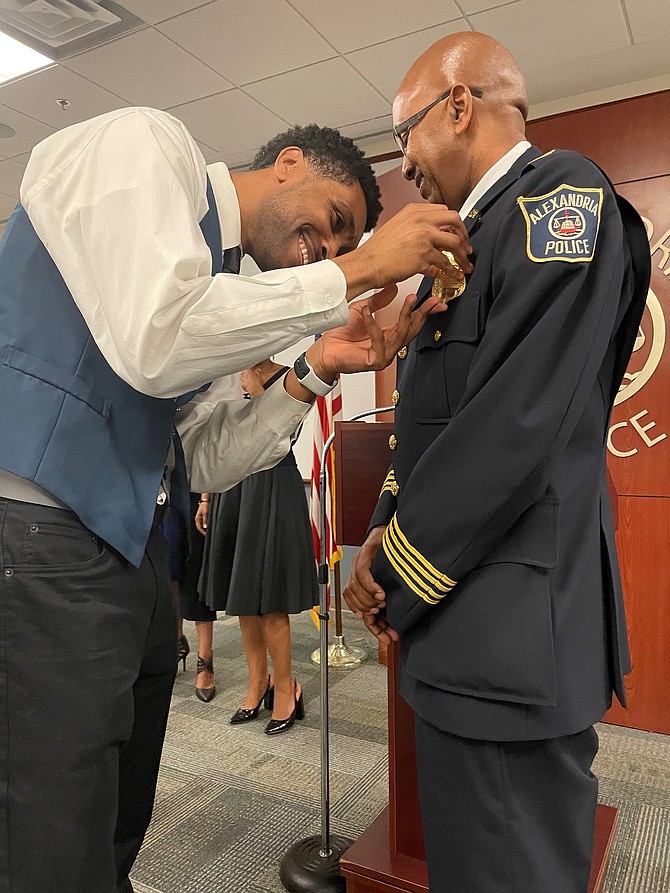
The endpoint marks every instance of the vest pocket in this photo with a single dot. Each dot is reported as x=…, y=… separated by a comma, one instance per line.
x=43, y=371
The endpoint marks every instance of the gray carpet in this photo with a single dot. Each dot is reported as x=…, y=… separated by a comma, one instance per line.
x=231, y=800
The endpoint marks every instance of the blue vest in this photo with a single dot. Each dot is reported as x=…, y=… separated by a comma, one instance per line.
x=71, y=424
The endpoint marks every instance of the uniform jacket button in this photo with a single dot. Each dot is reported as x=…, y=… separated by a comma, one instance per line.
x=393, y=442
x=395, y=398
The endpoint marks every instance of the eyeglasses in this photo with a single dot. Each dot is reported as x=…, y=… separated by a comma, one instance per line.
x=401, y=131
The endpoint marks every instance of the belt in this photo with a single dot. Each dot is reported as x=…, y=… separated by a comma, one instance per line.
x=14, y=487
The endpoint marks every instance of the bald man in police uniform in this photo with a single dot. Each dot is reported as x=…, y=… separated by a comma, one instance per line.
x=491, y=551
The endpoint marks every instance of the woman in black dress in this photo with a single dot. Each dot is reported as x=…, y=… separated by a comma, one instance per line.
x=259, y=564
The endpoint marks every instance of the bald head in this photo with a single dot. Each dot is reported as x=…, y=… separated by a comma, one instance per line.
x=473, y=59
x=460, y=108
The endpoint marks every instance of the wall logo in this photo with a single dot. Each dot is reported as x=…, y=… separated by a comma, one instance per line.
x=647, y=352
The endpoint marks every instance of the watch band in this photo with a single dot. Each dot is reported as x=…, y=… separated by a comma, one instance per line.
x=309, y=379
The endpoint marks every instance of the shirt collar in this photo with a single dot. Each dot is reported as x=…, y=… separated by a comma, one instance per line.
x=227, y=205
x=492, y=175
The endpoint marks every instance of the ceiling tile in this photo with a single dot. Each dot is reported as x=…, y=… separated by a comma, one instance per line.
x=148, y=69
x=210, y=155
x=247, y=40
x=373, y=126
x=151, y=11
x=386, y=64
x=349, y=25
x=604, y=70
x=39, y=92
x=29, y=132
x=649, y=19
x=241, y=159
x=7, y=204
x=11, y=174
x=470, y=6
x=230, y=122
x=329, y=93
x=534, y=30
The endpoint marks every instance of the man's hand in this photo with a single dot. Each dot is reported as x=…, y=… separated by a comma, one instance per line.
x=378, y=625
x=202, y=515
x=409, y=243
x=364, y=595
x=362, y=345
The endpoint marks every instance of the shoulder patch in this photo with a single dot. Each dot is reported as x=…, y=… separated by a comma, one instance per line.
x=563, y=224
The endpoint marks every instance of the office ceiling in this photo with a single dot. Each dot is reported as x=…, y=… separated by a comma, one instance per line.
x=238, y=71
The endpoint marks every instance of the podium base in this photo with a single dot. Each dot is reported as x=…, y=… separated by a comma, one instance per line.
x=304, y=870
x=340, y=655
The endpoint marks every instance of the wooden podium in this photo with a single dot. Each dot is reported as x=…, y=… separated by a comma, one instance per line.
x=389, y=856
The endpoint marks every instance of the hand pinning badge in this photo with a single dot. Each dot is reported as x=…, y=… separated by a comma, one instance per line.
x=443, y=288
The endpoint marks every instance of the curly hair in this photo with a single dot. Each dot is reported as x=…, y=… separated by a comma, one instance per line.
x=331, y=155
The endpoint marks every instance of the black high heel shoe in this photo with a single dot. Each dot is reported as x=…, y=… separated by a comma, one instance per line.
x=246, y=715
x=183, y=650
x=205, y=694
x=277, y=726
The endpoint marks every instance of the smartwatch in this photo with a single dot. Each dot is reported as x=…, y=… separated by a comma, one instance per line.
x=310, y=380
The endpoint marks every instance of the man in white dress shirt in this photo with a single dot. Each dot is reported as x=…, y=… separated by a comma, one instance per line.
x=114, y=309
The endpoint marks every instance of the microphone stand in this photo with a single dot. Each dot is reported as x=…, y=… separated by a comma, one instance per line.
x=312, y=865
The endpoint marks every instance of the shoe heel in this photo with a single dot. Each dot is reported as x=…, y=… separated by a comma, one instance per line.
x=300, y=708
x=183, y=663
x=269, y=699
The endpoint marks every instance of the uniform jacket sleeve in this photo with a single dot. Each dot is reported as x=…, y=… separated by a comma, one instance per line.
x=545, y=338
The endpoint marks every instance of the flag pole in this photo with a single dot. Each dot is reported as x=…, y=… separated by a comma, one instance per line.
x=312, y=865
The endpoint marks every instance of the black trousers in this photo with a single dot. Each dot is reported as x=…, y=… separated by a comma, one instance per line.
x=507, y=817
x=87, y=663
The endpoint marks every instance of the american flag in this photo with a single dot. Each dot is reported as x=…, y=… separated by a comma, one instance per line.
x=327, y=410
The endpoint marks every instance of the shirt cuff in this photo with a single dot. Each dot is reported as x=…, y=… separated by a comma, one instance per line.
x=325, y=289
x=279, y=411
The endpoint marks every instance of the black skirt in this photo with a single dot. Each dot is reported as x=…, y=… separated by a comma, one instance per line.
x=259, y=556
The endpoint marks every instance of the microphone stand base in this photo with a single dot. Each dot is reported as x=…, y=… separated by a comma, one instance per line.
x=304, y=870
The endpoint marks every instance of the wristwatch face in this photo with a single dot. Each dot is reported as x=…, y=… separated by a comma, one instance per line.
x=301, y=367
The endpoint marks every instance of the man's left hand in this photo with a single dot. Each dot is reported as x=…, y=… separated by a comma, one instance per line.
x=362, y=345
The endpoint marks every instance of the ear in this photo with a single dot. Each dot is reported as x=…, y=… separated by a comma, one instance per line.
x=460, y=107
x=290, y=163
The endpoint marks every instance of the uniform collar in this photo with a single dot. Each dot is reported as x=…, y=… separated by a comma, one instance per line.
x=227, y=205
x=492, y=175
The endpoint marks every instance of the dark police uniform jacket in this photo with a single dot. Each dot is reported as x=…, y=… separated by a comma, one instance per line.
x=499, y=561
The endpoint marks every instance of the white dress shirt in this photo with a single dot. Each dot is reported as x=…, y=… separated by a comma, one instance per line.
x=117, y=201
x=492, y=175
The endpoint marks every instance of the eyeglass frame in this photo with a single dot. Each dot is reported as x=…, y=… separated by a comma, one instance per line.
x=405, y=126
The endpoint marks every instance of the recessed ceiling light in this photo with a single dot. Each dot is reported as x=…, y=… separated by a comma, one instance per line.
x=6, y=132
x=17, y=59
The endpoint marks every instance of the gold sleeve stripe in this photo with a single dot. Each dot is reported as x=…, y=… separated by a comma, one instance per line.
x=388, y=483
x=400, y=568
x=429, y=570
x=429, y=586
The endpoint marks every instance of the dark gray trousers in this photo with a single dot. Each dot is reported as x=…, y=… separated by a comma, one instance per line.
x=507, y=817
x=87, y=663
